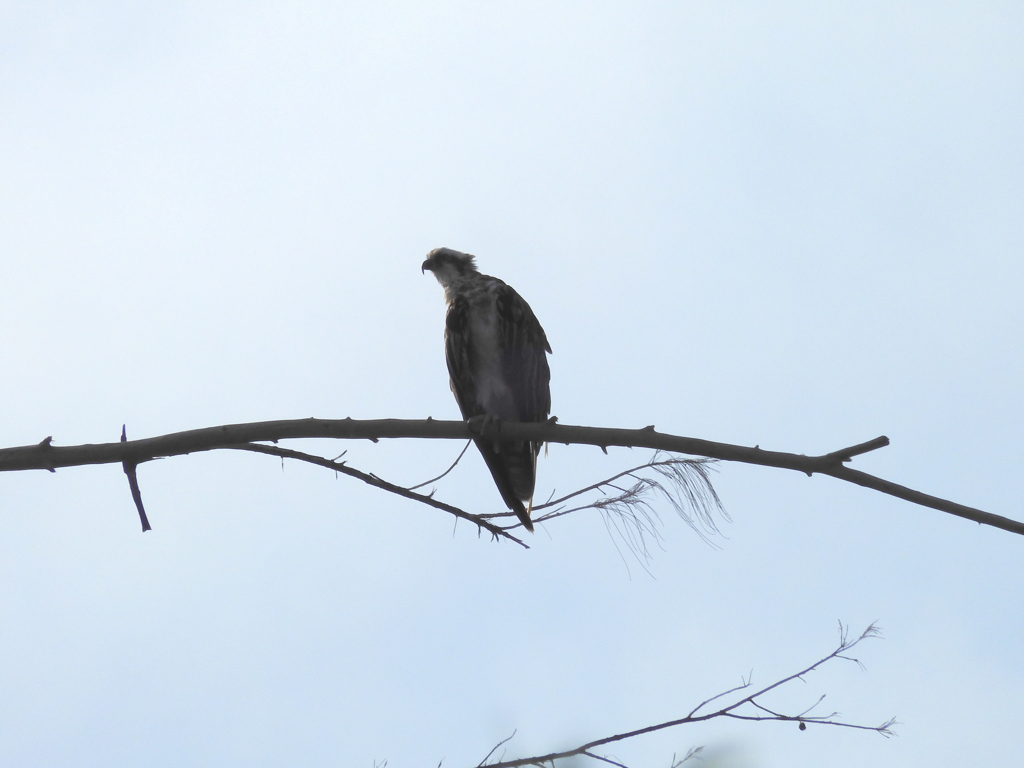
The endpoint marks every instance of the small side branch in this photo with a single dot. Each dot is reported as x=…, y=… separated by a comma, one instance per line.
x=748, y=707
x=133, y=485
x=376, y=482
x=847, y=454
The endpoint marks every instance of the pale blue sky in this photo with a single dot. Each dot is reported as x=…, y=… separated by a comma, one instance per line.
x=795, y=225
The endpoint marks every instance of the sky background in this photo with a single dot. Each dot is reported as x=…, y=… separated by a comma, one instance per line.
x=797, y=225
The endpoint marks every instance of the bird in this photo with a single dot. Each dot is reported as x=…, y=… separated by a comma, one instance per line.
x=496, y=352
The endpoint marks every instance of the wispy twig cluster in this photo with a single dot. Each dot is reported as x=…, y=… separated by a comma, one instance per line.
x=627, y=500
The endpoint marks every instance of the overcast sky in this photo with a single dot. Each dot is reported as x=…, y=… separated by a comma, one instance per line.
x=795, y=225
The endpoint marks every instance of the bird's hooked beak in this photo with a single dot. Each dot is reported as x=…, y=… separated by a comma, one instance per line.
x=425, y=266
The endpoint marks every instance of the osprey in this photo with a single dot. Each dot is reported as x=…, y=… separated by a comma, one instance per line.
x=495, y=350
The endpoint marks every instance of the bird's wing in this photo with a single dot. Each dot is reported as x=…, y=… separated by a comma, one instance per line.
x=523, y=347
x=458, y=352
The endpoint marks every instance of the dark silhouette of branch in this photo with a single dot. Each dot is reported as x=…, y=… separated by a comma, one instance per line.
x=376, y=482
x=47, y=456
x=748, y=707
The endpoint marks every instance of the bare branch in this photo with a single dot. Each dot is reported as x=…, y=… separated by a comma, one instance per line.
x=48, y=457
x=760, y=712
x=376, y=482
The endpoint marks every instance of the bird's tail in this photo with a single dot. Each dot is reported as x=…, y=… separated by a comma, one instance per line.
x=523, y=513
x=514, y=469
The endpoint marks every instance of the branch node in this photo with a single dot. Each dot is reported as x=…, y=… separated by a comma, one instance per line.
x=133, y=485
x=47, y=448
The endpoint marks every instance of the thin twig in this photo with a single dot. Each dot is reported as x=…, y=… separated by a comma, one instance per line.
x=454, y=464
x=691, y=754
x=496, y=746
x=604, y=759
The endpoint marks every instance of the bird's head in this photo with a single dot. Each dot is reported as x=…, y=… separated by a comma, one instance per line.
x=449, y=265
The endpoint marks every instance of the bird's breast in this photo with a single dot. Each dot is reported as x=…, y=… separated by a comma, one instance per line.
x=493, y=394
